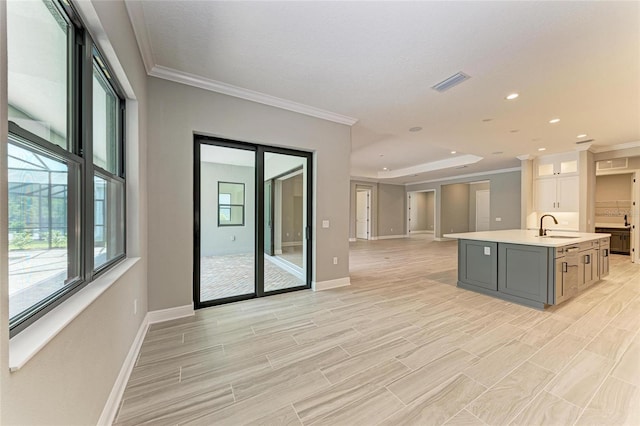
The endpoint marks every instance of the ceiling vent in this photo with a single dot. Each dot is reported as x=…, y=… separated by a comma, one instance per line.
x=616, y=163
x=448, y=83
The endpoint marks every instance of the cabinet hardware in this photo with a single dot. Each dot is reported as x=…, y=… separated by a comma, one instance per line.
x=587, y=259
x=565, y=267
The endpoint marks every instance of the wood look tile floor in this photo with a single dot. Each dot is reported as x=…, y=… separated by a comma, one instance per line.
x=401, y=346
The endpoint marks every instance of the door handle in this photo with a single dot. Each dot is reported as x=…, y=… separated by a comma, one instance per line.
x=565, y=267
x=606, y=252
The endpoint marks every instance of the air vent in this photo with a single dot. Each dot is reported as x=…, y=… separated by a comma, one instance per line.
x=616, y=163
x=454, y=80
x=585, y=141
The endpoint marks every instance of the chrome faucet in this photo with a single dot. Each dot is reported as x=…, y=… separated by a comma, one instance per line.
x=542, y=232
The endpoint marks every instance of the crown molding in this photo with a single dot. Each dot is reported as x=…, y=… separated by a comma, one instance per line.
x=606, y=148
x=250, y=95
x=136, y=16
x=455, y=178
x=524, y=157
x=447, y=163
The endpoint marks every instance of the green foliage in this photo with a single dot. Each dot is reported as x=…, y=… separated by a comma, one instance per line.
x=21, y=240
x=58, y=239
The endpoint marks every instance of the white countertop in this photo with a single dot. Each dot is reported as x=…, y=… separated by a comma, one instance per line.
x=528, y=237
x=612, y=225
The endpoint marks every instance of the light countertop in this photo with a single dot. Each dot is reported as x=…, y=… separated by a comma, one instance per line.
x=528, y=237
x=612, y=225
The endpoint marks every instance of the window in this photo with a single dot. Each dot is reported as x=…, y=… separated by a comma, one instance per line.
x=230, y=204
x=65, y=167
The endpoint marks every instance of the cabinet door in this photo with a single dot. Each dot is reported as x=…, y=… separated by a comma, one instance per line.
x=478, y=263
x=523, y=271
x=603, y=267
x=616, y=241
x=567, y=194
x=545, y=194
x=589, y=273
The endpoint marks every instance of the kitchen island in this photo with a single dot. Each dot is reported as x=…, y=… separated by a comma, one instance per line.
x=521, y=266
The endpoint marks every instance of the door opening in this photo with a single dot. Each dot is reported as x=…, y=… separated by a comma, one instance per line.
x=363, y=214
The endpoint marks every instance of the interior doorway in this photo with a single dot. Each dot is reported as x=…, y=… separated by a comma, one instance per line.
x=363, y=214
x=483, y=206
x=421, y=212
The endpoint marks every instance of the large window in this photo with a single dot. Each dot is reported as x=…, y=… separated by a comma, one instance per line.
x=65, y=159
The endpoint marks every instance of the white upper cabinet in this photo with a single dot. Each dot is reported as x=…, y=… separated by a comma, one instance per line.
x=557, y=194
x=557, y=164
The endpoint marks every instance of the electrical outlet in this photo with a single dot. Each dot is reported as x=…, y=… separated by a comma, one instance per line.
x=135, y=306
x=233, y=238
x=498, y=219
x=335, y=260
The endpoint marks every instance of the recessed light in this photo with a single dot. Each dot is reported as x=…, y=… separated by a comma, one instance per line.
x=584, y=135
x=385, y=169
x=486, y=120
x=415, y=129
x=454, y=152
x=381, y=155
x=497, y=152
x=512, y=96
x=542, y=149
x=514, y=131
x=554, y=120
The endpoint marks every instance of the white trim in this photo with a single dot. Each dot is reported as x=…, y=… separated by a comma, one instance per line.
x=136, y=16
x=425, y=231
x=326, y=285
x=110, y=409
x=170, y=74
x=169, y=314
x=605, y=148
x=352, y=240
x=292, y=244
x=31, y=340
x=447, y=163
x=453, y=178
x=391, y=237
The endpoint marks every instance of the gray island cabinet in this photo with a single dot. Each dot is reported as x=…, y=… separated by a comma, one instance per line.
x=520, y=266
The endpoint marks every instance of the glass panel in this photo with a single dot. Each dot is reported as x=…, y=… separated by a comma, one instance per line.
x=37, y=69
x=227, y=194
x=105, y=123
x=43, y=255
x=286, y=266
x=545, y=169
x=569, y=166
x=108, y=228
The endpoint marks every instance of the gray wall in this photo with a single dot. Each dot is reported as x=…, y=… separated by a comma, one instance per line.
x=473, y=188
x=177, y=112
x=430, y=210
x=505, y=198
x=221, y=240
x=68, y=381
x=419, y=212
x=392, y=201
x=455, y=207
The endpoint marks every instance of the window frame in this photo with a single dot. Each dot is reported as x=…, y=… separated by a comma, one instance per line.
x=81, y=54
x=231, y=205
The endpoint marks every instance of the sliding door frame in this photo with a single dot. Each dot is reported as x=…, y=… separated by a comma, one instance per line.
x=259, y=152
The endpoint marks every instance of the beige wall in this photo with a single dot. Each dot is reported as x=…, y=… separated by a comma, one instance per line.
x=392, y=217
x=473, y=188
x=68, y=381
x=176, y=113
x=455, y=207
x=420, y=213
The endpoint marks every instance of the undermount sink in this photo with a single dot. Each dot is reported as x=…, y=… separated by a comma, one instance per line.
x=559, y=236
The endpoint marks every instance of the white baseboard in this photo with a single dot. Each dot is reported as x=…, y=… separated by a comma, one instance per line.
x=110, y=409
x=444, y=239
x=277, y=251
x=352, y=240
x=163, y=315
x=292, y=244
x=422, y=232
x=390, y=237
x=326, y=285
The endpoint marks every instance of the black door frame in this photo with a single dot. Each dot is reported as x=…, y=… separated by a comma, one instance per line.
x=259, y=151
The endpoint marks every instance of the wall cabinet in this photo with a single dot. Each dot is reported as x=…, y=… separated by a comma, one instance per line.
x=557, y=193
x=558, y=164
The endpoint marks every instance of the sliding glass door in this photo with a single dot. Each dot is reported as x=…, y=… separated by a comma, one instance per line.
x=252, y=216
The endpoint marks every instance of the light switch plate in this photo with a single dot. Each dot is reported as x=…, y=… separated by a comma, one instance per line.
x=498, y=219
x=487, y=251
x=325, y=223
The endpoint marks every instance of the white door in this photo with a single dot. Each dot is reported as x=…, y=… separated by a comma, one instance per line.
x=362, y=214
x=482, y=210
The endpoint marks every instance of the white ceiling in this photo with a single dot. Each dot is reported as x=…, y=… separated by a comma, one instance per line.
x=377, y=61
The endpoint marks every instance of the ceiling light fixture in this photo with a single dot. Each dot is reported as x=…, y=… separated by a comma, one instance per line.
x=454, y=152
x=385, y=169
x=542, y=149
x=415, y=129
x=512, y=96
x=584, y=135
x=554, y=121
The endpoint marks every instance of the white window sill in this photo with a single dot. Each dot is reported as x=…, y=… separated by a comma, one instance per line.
x=35, y=337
